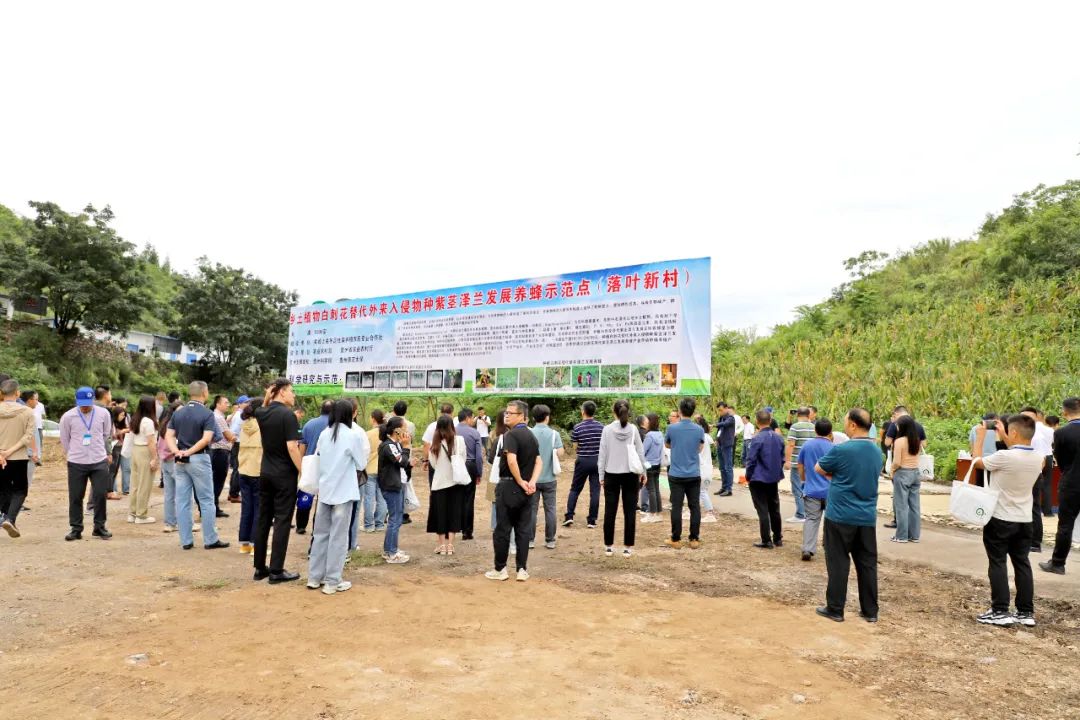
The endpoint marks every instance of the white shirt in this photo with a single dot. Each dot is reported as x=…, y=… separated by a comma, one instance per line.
x=839, y=437
x=705, y=459
x=748, y=432
x=39, y=415
x=1013, y=473
x=482, y=427
x=143, y=437
x=429, y=434
x=1043, y=442
x=738, y=425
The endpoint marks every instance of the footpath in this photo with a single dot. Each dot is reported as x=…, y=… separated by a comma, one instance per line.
x=943, y=548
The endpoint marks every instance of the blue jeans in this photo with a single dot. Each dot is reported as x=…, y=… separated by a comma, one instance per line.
x=374, y=505
x=726, y=458
x=168, y=479
x=125, y=474
x=395, y=505
x=906, y=484
x=198, y=475
x=249, y=508
x=796, y=490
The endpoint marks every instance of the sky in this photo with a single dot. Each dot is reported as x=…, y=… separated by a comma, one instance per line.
x=357, y=150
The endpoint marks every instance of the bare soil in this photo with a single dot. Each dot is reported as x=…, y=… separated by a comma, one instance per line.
x=725, y=631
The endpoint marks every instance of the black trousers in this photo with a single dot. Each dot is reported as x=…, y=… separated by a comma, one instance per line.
x=509, y=518
x=845, y=544
x=1046, y=480
x=1036, y=515
x=13, y=488
x=219, y=464
x=234, y=466
x=627, y=485
x=468, y=522
x=1009, y=540
x=1068, y=508
x=277, y=498
x=690, y=489
x=100, y=485
x=585, y=469
x=766, y=497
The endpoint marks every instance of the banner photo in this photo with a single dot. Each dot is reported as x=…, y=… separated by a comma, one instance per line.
x=636, y=330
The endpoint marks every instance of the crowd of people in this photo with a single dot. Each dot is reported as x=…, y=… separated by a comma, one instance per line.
x=362, y=479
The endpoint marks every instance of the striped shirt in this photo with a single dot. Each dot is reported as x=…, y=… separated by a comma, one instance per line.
x=586, y=435
x=801, y=432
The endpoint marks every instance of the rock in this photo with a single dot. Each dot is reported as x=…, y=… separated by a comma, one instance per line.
x=691, y=698
x=139, y=659
x=806, y=683
x=987, y=660
x=798, y=699
x=373, y=671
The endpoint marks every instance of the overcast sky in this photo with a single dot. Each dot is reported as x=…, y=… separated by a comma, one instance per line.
x=365, y=149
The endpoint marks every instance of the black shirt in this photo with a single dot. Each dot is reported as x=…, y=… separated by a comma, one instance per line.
x=522, y=443
x=1067, y=453
x=278, y=426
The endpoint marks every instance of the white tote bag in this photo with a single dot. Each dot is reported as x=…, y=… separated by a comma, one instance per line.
x=972, y=504
x=633, y=459
x=493, y=477
x=457, y=463
x=412, y=503
x=926, y=468
x=309, y=474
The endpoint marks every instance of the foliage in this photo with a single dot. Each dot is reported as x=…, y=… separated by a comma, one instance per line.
x=238, y=320
x=82, y=266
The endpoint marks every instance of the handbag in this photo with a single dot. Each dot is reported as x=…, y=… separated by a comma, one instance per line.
x=457, y=464
x=633, y=459
x=361, y=478
x=412, y=503
x=972, y=504
x=493, y=476
x=309, y=474
x=556, y=466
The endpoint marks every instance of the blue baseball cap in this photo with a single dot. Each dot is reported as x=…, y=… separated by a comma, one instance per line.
x=84, y=397
x=242, y=399
x=768, y=408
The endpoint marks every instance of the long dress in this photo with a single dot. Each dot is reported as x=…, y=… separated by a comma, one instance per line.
x=447, y=513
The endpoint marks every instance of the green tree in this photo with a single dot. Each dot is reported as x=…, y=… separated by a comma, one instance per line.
x=87, y=272
x=240, y=322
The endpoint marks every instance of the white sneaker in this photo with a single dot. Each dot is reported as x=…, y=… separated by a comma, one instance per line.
x=627, y=552
x=523, y=575
x=794, y=519
x=609, y=551
x=131, y=518
x=312, y=585
x=651, y=519
x=398, y=558
x=145, y=520
x=497, y=574
x=340, y=587
x=513, y=548
x=708, y=518
x=550, y=545
x=532, y=545
x=197, y=527
x=169, y=529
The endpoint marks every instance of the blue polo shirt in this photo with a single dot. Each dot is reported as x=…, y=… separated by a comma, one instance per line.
x=311, y=432
x=685, y=438
x=815, y=485
x=190, y=422
x=853, y=492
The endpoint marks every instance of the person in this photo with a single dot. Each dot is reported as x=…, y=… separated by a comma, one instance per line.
x=400, y=408
x=191, y=430
x=653, y=447
x=160, y=403
x=725, y=448
x=619, y=476
x=705, y=455
x=764, y=471
x=474, y=464
x=1053, y=421
x=249, y=462
x=282, y=455
x=144, y=460
x=236, y=422
x=550, y=445
x=519, y=469
x=815, y=486
x=685, y=439
x=17, y=430
x=642, y=425
x=309, y=440
x=1013, y=472
x=494, y=451
x=906, y=482
x=85, y=431
x=749, y=429
x=30, y=399
x=483, y=426
x=394, y=462
x=890, y=437
x=121, y=453
x=1066, y=452
x=586, y=438
x=989, y=420
x=1043, y=443
x=371, y=495
x=168, y=468
x=343, y=454
x=853, y=470
x=447, y=513
x=800, y=433
x=429, y=436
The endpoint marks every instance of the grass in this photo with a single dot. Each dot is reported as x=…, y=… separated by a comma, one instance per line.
x=365, y=558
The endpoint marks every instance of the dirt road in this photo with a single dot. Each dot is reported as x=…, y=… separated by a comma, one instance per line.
x=137, y=628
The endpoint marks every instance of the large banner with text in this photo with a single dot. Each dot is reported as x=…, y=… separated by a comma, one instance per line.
x=641, y=329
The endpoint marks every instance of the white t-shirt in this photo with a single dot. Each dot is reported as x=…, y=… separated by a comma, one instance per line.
x=39, y=415
x=839, y=438
x=738, y=425
x=1043, y=442
x=1013, y=473
x=429, y=434
x=748, y=431
x=482, y=427
x=145, y=434
x=705, y=459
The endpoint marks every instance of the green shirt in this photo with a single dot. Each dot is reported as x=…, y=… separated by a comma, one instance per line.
x=549, y=441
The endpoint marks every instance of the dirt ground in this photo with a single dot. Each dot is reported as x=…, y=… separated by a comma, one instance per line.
x=725, y=631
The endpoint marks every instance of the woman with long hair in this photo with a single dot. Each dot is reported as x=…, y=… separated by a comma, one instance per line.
x=619, y=477
x=705, y=456
x=394, y=458
x=249, y=464
x=447, y=512
x=653, y=447
x=493, y=449
x=144, y=459
x=168, y=468
x=906, y=482
x=120, y=461
x=342, y=455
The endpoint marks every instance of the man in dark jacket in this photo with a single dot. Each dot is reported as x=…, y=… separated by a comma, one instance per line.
x=725, y=448
x=764, y=471
x=1067, y=456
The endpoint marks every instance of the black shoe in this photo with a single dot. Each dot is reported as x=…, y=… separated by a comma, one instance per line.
x=283, y=576
x=222, y=514
x=719, y=492
x=891, y=524
x=466, y=537
x=406, y=520
x=1036, y=549
x=301, y=531
x=824, y=612
x=261, y=575
x=102, y=533
x=724, y=493
x=807, y=556
x=188, y=546
x=1050, y=567
x=868, y=618
x=217, y=545
x=778, y=543
x=764, y=546
x=24, y=509
x=73, y=535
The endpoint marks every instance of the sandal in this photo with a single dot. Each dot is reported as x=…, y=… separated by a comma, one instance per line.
x=440, y=549
x=449, y=549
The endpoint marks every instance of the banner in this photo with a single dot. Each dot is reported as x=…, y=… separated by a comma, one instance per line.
x=636, y=330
